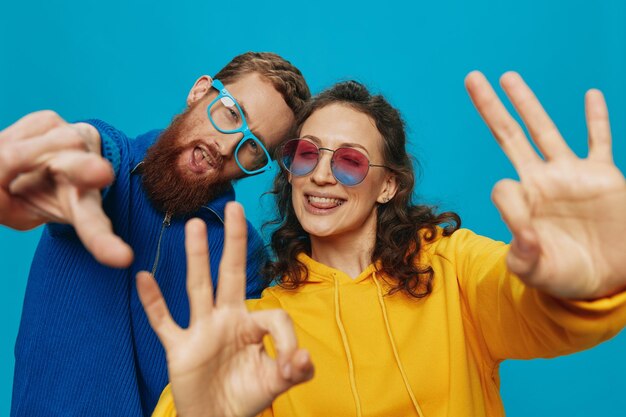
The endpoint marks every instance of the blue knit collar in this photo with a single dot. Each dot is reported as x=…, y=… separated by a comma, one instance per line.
x=218, y=204
x=215, y=206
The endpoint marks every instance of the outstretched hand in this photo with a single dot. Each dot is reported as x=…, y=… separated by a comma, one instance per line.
x=218, y=365
x=52, y=171
x=567, y=214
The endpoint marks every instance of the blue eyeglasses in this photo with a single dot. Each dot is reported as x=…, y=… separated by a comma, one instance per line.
x=227, y=117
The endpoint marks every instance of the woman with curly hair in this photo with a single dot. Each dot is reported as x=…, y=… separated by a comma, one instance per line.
x=402, y=312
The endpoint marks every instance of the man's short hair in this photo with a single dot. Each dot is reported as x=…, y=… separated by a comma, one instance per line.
x=286, y=78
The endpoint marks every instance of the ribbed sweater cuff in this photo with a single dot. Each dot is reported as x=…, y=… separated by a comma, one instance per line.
x=110, y=151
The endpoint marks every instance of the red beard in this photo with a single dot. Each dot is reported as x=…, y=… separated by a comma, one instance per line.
x=169, y=189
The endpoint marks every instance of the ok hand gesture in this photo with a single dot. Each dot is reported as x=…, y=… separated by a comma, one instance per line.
x=218, y=365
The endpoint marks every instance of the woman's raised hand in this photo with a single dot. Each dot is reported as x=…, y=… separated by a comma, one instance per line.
x=567, y=214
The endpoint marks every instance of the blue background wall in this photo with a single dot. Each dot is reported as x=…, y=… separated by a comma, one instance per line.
x=133, y=63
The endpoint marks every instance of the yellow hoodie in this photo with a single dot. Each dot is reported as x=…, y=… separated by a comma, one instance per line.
x=381, y=355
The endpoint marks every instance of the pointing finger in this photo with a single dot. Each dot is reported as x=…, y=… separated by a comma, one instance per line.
x=154, y=305
x=199, y=285
x=231, y=289
x=82, y=169
x=598, y=126
x=542, y=130
x=33, y=124
x=279, y=325
x=505, y=129
x=21, y=156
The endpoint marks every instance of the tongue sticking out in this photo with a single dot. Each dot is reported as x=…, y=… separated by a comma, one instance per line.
x=197, y=161
x=197, y=156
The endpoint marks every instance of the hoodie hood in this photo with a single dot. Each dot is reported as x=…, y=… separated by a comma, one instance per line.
x=320, y=273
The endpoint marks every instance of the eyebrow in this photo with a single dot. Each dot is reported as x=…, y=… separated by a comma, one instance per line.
x=245, y=114
x=341, y=145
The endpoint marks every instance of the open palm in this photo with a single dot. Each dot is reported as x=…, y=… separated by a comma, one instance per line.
x=567, y=214
x=218, y=365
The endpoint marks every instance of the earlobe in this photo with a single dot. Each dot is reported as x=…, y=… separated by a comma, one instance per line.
x=199, y=89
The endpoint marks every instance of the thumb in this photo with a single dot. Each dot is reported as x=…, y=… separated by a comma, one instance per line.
x=95, y=229
x=523, y=256
x=512, y=203
x=299, y=369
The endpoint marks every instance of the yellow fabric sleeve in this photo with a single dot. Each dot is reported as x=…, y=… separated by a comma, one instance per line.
x=519, y=322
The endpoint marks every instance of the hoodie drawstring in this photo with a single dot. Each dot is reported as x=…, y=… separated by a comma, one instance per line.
x=381, y=301
x=346, y=348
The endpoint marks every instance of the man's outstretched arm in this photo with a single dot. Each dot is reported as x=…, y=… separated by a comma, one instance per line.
x=53, y=171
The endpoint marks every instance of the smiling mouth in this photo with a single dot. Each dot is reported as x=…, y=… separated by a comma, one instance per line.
x=324, y=203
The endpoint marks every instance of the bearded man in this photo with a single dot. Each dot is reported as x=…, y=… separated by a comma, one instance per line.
x=114, y=206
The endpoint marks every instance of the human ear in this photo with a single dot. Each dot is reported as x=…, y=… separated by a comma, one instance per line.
x=389, y=189
x=199, y=89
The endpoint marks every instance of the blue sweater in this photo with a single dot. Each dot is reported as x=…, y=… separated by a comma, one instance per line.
x=85, y=346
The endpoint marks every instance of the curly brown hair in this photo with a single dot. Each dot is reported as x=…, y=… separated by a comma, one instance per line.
x=284, y=76
x=398, y=241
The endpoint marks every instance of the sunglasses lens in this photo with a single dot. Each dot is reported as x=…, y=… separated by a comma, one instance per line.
x=349, y=166
x=299, y=157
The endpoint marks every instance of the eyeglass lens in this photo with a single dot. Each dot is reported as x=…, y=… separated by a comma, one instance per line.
x=300, y=157
x=227, y=117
